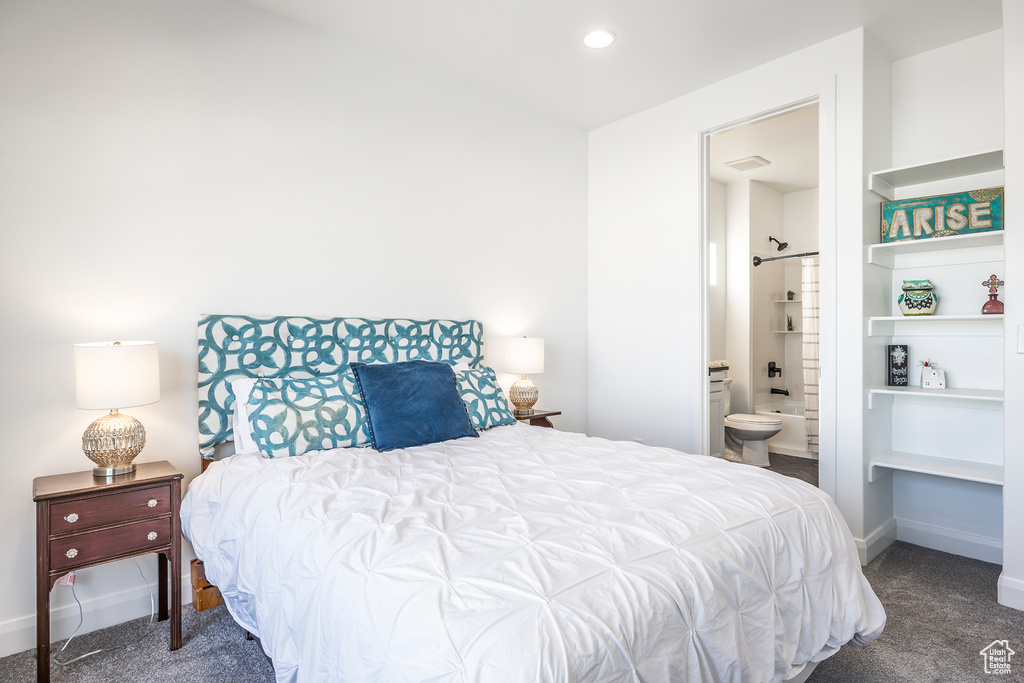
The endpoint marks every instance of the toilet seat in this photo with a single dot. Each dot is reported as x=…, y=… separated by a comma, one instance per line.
x=754, y=421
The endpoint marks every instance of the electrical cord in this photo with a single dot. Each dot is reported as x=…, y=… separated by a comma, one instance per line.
x=81, y=619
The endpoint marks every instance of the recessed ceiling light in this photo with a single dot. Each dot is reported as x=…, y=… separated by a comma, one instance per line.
x=599, y=39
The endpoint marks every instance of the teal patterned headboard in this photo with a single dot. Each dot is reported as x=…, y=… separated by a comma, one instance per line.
x=233, y=346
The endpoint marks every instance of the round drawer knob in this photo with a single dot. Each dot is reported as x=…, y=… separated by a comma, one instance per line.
x=152, y=502
x=151, y=535
x=72, y=518
x=71, y=553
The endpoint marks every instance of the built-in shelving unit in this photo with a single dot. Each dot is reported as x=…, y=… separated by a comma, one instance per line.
x=974, y=325
x=913, y=255
x=984, y=473
x=947, y=394
x=888, y=182
x=969, y=248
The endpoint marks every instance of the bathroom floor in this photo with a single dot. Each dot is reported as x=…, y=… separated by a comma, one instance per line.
x=792, y=466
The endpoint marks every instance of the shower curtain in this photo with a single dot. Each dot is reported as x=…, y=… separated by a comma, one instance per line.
x=812, y=373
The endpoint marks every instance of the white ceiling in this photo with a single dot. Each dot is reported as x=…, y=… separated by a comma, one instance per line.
x=789, y=141
x=531, y=53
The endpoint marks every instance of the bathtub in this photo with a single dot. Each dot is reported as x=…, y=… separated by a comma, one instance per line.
x=792, y=440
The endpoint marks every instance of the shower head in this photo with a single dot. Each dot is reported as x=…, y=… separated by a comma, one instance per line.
x=782, y=245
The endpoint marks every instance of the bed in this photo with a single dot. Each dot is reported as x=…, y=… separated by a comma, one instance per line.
x=522, y=554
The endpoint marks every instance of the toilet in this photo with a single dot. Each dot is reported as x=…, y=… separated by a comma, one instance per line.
x=746, y=437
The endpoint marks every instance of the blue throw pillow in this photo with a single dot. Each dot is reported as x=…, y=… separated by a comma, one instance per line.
x=294, y=416
x=411, y=404
x=484, y=399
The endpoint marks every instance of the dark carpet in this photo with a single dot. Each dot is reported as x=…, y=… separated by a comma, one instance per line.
x=214, y=649
x=942, y=612
x=941, y=608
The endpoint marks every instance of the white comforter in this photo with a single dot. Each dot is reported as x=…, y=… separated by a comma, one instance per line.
x=529, y=554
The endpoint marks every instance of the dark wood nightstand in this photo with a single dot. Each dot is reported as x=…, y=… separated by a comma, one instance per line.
x=82, y=521
x=539, y=418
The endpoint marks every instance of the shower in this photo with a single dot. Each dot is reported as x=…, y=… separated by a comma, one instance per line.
x=782, y=245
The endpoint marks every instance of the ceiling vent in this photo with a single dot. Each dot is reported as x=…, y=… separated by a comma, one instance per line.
x=748, y=163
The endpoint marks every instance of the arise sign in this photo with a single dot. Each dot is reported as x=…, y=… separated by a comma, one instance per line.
x=961, y=213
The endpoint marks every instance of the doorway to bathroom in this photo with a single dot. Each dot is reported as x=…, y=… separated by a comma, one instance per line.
x=762, y=237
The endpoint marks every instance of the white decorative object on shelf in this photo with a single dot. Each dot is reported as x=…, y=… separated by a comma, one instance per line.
x=932, y=378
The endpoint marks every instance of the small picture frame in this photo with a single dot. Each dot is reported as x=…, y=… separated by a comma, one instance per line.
x=898, y=365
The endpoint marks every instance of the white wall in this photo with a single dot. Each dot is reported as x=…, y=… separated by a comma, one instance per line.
x=800, y=230
x=876, y=153
x=950, y=515
x=171, y=158
x=926, y=123
x=645, y=269
x=1011, y=582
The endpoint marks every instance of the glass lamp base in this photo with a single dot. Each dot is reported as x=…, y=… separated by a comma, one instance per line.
x=523, y=395
x=112, y=442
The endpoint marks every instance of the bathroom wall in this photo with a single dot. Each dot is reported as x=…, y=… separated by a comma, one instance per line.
x=767, y=284
x=737, y=315
x=753, y=211
x=717, y=272
x=800, y=230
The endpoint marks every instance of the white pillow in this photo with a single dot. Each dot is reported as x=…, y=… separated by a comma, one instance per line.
x=241, y=431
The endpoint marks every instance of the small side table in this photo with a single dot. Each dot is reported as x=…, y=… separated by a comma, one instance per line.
x=539, y=418
x=83, y=521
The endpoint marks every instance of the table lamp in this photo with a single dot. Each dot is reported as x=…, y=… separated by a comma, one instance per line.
x=525, y=357
x=110, y=376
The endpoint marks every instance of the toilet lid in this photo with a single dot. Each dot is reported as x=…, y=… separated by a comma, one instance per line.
x=754, y=419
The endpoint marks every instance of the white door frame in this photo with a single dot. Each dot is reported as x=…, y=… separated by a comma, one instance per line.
x=824, y=95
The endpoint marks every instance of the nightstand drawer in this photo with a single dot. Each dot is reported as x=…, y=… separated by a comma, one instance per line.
x=71, y=551
x=126, y=506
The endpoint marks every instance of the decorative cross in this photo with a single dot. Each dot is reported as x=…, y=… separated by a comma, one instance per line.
x=993, y=283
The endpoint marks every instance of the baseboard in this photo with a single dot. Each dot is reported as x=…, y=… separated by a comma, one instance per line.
x=950, y=540
x=795, y=452
x=1011, y=591
x=878, y=540
x=101, y=611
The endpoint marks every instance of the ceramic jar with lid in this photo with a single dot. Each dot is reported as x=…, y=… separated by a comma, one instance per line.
x=917, y=298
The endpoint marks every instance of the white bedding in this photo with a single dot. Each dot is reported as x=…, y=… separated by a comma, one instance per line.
x=529, y=554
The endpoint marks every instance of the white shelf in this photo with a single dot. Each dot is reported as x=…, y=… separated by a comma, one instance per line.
x=786, y=301
x=988, y=396
x=984, y=473
x=788, y=332
x=888, y=181
x=985, y=244
x=897, y=325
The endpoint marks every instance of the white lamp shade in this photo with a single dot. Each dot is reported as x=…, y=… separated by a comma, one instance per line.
x=526, y=355
x=111, y=375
